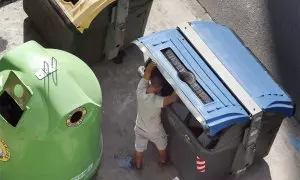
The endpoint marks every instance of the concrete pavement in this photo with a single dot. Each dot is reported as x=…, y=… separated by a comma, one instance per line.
x=119, y=83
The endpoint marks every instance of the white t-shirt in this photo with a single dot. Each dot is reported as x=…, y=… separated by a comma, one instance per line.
x=148, y=109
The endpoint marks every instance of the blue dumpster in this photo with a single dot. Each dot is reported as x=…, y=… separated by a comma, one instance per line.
x=230, y=109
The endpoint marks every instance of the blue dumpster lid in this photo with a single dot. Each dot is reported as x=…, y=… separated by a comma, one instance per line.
x=244, y=66
x=195, y=83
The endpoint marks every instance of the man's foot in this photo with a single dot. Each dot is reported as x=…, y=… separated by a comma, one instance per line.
x=139, y=167
x=163, y=163
x=138, y=160
x=163, y=157
x=136, y=165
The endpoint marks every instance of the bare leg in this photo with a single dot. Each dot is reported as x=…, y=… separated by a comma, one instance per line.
x=138, y=159
x=163, y=156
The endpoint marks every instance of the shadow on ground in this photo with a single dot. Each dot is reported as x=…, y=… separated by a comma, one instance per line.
x=284, y=18
x=260, y=171
x=3, y=44
x=30, y=33
x=6, y=2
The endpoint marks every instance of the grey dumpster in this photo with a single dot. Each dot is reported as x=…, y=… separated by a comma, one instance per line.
x=226, y=118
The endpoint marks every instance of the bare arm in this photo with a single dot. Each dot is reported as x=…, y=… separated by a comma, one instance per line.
x=148, y=70
x=143, y=84
x=170, y=99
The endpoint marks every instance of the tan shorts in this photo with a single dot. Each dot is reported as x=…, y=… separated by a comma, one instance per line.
x=141, y=139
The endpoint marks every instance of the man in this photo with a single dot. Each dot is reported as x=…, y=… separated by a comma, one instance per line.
x=148, y=123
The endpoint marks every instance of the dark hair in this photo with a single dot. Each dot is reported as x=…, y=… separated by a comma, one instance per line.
x=156, y=82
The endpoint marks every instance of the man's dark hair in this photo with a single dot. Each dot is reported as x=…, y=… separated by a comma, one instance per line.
x=156, y=82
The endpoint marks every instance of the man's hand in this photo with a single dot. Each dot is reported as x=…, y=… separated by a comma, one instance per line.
x=174, y=96
x=148, y=70
x=170, y=99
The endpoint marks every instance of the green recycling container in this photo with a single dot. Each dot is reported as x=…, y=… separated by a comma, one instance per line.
x=50, y=116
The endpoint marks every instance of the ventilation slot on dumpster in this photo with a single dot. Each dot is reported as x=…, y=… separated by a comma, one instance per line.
x=9, y=109
x=186, y=76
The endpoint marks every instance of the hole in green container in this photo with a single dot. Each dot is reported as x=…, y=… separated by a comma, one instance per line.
x=9, y=109
x=76, y=117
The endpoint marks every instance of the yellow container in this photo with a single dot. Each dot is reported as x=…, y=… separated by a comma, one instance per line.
x=83, y=12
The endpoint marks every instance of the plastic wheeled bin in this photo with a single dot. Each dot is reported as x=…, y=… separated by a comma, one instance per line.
x=50, y=115
x=91, y=29
x=226, y=117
